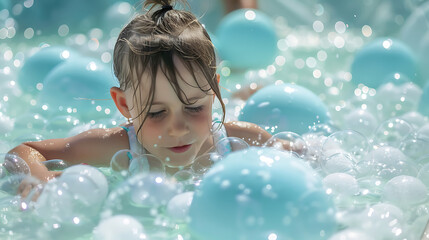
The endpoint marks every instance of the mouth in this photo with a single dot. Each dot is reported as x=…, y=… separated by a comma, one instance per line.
x=180, y=149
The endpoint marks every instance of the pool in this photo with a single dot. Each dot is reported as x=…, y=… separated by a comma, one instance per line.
x=369, y=151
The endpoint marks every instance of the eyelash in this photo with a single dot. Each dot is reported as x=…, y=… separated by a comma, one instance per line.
x=190, y=109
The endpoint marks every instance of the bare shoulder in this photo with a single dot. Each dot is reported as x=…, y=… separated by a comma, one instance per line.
x=94, y=146
x=249, y=132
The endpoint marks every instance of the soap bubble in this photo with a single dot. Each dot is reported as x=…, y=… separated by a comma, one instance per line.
x=347, y=142
x=55, y=164
x=423, y=175
x=288, y=141
x=361, y=121
x=121, y=160
x=322, y=129
x=390, y=162
x=339, y=163
x=15, y=164
x=119, y=227
x=405, y=191
x=204, y=162
x=140, y=196
x=230, y=144
x=416, y=119
x=392, y=132
x=351, y=234
x=414, y=148
x=383, y=220
x=341, y=184
x=146, y=163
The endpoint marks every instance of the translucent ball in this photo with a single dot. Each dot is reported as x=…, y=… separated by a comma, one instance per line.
x=252, y=186
x=383, y=220
x=423, y=175
x=392, y=132
x=230, y=144
x=341, y=184
x=14, y=164
x=204, y=162
x=99, y=186
x=405, y=191
x=78, y=84
x=178, y=206
x=348, y=142
x=270, y=108
x=288, y=141
x=414, y=148
x=389, y=162
x=247, y=39
x=146, y=164
x=361, y=121
x=119, y=227
x=416, y=119
x=6, y=124
x=382, y=57
x=140, y=196
x=339, y=163
x=38, y=66
x=55, y=164
x=30, y=121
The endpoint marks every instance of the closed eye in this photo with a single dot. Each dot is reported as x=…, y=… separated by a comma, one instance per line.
x=155, y=114
x=195, y=109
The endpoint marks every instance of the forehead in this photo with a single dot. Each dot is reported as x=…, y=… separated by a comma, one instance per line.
x=190, y=83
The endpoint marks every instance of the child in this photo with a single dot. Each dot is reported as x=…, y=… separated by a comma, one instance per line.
x=166, y=66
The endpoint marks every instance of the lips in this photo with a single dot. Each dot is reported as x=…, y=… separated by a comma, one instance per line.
x=180, y=149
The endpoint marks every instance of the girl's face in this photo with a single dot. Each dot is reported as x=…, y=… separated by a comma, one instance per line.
x=174, y=132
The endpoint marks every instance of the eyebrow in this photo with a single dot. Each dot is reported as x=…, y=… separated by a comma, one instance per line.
x=192, y=99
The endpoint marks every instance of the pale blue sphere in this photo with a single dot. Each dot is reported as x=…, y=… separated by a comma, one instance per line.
x=82, y=84
x=247, y=39
x=37, y=66
x=285, y=107
x=261, y=193
x=382, y=58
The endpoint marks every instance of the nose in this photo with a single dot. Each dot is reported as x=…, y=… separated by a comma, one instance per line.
x=178, y=126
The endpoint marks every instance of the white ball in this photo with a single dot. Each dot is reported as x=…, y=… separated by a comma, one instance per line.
x=119, y=227
x=351, y=234
x=361, y=121
x=178, y=206
x=341, y=184
x=404, y=191
x=93, y=174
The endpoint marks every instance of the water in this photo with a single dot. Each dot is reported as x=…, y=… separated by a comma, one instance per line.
x=371, y=149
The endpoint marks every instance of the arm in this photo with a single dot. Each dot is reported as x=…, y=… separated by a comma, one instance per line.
x=94, y=147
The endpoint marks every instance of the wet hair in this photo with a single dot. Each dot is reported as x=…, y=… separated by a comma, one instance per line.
x=150, y=41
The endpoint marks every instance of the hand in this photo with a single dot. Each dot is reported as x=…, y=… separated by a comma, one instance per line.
x=32, y=187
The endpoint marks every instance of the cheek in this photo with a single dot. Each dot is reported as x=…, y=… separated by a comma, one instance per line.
x=150, y=133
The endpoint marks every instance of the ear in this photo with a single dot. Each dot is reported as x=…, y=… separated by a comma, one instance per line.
x=118, y=96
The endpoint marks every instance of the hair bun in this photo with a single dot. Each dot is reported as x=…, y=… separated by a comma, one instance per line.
x=165, y=4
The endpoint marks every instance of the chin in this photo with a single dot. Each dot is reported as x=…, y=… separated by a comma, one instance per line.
x=180, y=162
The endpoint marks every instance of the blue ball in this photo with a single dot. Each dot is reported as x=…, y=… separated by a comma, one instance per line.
x=258, y=193
x=247, y=39
x=286, y=107
x=37, y=67
x=82, y=84
x=381, y=58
